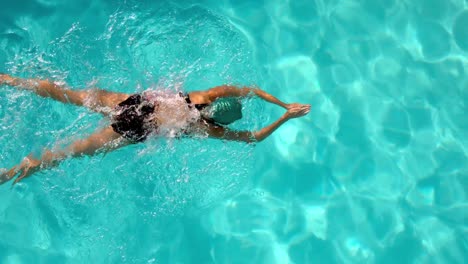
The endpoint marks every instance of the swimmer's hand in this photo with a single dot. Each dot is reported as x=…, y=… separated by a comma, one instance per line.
x=297, y=110
x=27, y=167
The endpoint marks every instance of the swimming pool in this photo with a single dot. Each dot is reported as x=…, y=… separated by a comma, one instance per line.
x=377, y=172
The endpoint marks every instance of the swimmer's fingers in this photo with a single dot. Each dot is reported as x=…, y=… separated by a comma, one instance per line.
x=292, y=105
x=298, y=110
x=295, y=105
x=304, y=107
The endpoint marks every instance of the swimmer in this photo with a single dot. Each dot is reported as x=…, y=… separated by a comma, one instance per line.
x=135, y=117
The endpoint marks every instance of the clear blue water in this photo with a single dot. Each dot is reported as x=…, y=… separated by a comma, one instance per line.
x=377, y=173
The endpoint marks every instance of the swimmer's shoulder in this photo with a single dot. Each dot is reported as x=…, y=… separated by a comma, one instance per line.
x=199, y=97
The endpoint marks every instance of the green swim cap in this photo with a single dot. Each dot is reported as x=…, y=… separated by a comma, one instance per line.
x=223, y=111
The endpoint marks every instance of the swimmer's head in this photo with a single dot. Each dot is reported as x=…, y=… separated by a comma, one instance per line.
x=223, y=111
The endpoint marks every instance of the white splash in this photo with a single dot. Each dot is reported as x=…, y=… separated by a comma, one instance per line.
x=173, y=114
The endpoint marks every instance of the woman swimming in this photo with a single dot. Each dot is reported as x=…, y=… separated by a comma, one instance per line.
x=135, y=117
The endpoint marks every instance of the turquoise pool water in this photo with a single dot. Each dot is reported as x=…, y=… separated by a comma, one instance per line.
x=377, y=173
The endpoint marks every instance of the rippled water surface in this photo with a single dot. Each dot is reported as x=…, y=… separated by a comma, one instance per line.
x=377, y=172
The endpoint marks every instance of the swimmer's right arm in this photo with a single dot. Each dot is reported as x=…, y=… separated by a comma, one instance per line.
x=296, y=110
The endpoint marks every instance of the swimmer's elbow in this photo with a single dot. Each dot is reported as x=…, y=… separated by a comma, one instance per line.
x=243, y=136
x=255, y=137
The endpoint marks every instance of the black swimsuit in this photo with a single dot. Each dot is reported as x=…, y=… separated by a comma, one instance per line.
x=132, y=119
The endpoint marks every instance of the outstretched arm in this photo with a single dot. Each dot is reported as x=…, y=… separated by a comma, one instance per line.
x=204, y=97
x=101, y=141
x=233, y=91
x=296, y=110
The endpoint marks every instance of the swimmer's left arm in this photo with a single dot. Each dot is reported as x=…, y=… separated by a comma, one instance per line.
x=209, y=96
x=233, y=91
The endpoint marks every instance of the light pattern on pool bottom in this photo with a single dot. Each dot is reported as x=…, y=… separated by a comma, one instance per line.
x=377, y=171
